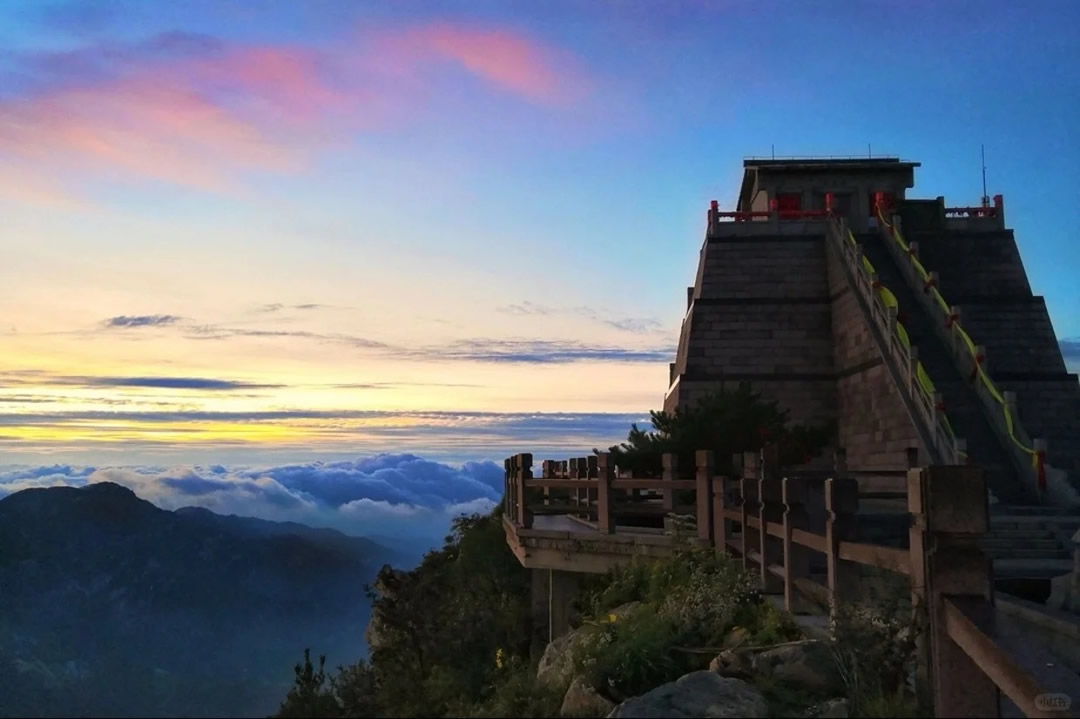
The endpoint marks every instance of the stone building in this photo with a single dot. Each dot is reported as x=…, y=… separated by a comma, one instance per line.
x=773, y=305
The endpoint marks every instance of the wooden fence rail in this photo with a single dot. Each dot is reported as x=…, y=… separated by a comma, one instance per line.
x=776, y=525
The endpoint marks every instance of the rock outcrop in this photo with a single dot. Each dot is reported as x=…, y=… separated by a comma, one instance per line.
x=1065, y=589
x=582, y=700
x=807, y=663
x=698, y=694
x=557, y=663
x=832, y=709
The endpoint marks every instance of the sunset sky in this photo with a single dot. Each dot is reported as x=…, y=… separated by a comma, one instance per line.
x=246, y=231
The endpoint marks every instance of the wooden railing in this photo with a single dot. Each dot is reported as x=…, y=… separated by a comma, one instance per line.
x=1027, y=454
x=776, y=524
x=901, y=361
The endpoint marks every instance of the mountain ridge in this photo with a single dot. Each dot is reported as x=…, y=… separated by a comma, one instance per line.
x=196, y=613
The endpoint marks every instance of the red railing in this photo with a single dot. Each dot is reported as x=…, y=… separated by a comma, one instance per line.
x=715, y=215
x=983, y=211
x=742, y=216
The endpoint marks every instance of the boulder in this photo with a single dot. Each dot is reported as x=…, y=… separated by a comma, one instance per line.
x=698, y=694
x=832, y=709
x=733, y=663
x=808, y=663
x=557, y=663
x=623, y=611
x=1063, y=593
x=736, y=638
x=582, y=700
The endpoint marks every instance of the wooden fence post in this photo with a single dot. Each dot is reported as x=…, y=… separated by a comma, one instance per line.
x=722, y=531
x=591, y=472
x=918, y=546
x=750, y=506
x=670, y=474
x=796, y=559
x=547, y=471
x=704, y=495
x=951, y=513
x=605, y=469
x=521, y=473
x=582, y=472
x=508, y=496
x=841, y=503
x=575, y=493
x=770, y=509
x=583, y=493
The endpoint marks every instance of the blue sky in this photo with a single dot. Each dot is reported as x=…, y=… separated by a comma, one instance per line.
x=319, y=209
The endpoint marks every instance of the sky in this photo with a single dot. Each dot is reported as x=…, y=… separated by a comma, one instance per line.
x=274, y=232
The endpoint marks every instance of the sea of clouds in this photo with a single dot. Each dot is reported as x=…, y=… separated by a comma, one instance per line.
x=387, y=496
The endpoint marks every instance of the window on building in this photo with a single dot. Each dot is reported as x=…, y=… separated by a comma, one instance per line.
x=842, y=203
x=890, y=201
x=788, y=203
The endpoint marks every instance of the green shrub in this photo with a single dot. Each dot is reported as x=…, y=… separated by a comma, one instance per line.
x=768, y=625
x=629, y=657
x=350, y=693
x=706, y=596
x=516, y=693
x=874, y=643
x=599, y=594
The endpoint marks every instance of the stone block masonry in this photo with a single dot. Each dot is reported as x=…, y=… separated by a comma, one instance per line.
x=777, y=312
x=772, y=305
x=983, y=274
x=872, y=423
x=760, y=314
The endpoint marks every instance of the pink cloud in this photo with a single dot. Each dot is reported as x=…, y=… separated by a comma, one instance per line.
x=508, y=59
x=193, y=112
x=140, y=128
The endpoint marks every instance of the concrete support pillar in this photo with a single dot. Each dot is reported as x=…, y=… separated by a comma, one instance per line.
x=949, y=515
x=563, y=587
x=553, y=594
x=540, y=602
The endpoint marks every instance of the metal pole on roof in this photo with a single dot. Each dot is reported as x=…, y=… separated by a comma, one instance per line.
x=869, y=154
x=773, y=148
x=985, y=199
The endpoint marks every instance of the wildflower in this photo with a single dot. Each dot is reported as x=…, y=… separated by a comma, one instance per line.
x=499, y=658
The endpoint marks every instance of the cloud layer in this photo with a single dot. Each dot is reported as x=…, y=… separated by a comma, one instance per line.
x=637, y=325
x=396, y=495
x=196, y=111
x=141, y=321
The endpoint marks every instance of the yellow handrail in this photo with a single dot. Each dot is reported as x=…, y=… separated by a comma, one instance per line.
x=1038, y=456
x=888, y=299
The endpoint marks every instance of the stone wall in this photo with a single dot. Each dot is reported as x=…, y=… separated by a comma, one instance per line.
x=760, y=315
x=1017, y=333
x=973, y=265
x=873, y=424
x=983, y=274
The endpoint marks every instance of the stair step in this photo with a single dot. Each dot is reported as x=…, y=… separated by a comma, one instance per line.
x=963, y=406
x=1020, y=553
x=1031, y=531
x=1005, y=544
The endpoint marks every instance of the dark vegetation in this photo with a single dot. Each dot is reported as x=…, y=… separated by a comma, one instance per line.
x=452, y=637
x=110, y=606
x=729, y=422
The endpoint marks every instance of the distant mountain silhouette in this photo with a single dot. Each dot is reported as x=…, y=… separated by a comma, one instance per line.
x=111, y=606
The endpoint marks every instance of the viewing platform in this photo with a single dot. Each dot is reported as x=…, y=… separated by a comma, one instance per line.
x=799, y=535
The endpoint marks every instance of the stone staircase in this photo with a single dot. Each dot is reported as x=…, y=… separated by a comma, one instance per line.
x=1032, y=542
x=962, y=405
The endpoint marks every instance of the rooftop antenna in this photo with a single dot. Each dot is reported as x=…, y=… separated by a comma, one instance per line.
x=773, y=148
x=985, y=199
x=869, y=154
